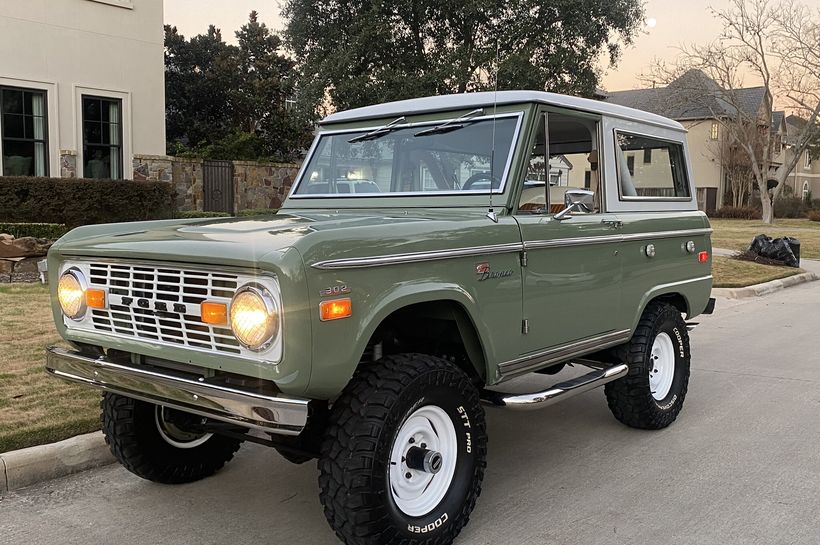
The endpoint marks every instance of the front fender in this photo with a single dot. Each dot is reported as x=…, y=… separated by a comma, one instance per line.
x=336, y=357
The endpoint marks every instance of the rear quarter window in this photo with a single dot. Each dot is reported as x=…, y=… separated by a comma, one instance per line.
x=650, y=168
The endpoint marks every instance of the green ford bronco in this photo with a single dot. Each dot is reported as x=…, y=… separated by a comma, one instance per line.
x=429, y=251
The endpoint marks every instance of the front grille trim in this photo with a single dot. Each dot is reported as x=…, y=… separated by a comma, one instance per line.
x=160, y=304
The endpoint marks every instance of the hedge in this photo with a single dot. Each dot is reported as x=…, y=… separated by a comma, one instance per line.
x=258, y=211
x=51, y=231
x=80, y=202
x=249, y=212
x=187, y=214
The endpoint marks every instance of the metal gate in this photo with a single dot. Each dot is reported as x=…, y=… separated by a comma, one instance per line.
x=217, y=186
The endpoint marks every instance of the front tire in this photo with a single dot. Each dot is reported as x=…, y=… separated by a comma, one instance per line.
x=651, y=395
x=145, y=439
x=372, y=489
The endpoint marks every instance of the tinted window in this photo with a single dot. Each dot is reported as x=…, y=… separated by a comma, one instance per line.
x=662, y=176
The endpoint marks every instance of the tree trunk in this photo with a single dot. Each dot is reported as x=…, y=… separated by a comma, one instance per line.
x=768, y=208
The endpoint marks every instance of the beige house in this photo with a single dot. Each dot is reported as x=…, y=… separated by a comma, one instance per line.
x=804, y=180
x=81, y=86
x=698, y=112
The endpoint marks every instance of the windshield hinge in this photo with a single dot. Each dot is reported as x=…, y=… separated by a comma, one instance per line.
x=524, y=258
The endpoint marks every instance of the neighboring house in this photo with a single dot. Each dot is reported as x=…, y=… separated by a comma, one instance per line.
x=81, y=86
x=804, y=180
x=697, y=102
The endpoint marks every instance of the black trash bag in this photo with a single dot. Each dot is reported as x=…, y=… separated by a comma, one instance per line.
x=794, y=244
x=777, y=249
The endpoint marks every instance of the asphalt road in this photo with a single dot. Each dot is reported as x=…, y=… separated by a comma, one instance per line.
x=740, y=466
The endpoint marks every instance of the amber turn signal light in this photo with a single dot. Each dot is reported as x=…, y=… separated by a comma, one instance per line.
x=214, y=313
x=703, y=257
x=95, y=298
x=335, y=309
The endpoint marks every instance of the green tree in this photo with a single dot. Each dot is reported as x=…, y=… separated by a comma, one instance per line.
x=197, y=86
x=357, y=52
x=231, y=102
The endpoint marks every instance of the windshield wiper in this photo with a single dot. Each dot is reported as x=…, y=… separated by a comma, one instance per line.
x=452, y=125
x=378, y=133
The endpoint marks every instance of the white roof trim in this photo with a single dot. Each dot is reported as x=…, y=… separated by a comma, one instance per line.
x=486, y=99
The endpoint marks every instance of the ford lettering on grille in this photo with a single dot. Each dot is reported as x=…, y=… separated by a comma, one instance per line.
x=162, y=304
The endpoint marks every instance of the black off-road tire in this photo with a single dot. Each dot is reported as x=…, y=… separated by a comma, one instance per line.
x=131, y=432
x=630, y=398
x=354, y=466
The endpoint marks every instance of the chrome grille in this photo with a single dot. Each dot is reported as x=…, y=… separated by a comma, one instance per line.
x=162, y=304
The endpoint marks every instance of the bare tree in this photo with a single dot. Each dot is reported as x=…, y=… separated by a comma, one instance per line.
x=737, y=169
x=775, y=42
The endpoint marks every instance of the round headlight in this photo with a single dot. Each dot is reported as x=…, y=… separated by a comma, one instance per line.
x=254, y=317
x=71, y=293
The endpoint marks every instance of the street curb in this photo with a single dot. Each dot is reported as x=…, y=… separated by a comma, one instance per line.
x=33, y=465
x=765, y=288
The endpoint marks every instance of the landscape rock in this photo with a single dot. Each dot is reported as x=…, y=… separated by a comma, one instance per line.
x=24, y=247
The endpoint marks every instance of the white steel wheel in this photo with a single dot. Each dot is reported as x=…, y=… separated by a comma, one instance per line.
x=417, y=492
x=174, y=435
x=662, y=366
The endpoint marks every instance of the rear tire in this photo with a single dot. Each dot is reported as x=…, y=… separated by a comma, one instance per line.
x=651, y=395
x=370, y=493
x=150, y=447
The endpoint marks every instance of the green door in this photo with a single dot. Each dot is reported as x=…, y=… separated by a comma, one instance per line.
x=571, y=288
x=571, y=278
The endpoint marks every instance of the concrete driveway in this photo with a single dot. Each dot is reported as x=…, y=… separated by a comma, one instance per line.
x=740, y=466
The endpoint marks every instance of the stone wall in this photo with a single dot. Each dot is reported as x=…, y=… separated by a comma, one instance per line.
x=187, y=179
x=155, y=168
x=68, y=164
x=256, y=185
x=262, y=185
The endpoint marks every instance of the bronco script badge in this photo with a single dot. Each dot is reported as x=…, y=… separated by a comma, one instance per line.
x=483, y=272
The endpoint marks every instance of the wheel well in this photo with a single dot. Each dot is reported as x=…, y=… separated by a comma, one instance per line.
x=675, y=299
x=438, y=328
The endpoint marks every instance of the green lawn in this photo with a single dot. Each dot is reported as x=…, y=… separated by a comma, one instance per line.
x=34, y=407
x=738, y=234
x=734, y=273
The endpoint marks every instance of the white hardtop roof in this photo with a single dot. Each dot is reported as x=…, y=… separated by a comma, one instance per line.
x=487, y=99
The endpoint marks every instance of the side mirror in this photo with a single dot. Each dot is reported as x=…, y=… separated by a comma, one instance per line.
x=576, y=200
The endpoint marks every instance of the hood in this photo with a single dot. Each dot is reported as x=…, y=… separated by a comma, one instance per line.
x=246, y=241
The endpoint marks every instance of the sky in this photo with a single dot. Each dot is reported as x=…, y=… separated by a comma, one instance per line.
x=670, y=23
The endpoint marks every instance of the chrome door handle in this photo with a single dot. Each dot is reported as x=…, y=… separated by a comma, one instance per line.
x=615, y=224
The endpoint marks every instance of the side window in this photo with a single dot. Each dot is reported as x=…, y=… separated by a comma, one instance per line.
x=662, y=176
x=534, y=193
x=563, y=158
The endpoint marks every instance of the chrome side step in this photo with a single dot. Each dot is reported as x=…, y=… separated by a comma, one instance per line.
x=558, y=392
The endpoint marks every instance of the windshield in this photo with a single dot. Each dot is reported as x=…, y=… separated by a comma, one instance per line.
x=412, y=159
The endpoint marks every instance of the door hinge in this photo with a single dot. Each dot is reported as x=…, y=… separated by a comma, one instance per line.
x=525, y=326
x=524, y=258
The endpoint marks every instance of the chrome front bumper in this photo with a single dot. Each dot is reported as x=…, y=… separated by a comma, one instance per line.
x=275, y=414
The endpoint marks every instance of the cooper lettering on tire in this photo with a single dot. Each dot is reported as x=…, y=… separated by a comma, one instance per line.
x=652, y=393
x=404, y=453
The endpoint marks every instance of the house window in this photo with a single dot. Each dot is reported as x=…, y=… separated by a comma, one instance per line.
x=647, y=156
x=714, y=133
x=102, y=138
x=24, y=132
x=630, y=164
x=808, y=159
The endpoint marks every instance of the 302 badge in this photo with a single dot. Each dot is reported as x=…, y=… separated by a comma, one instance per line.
x=340, y=289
